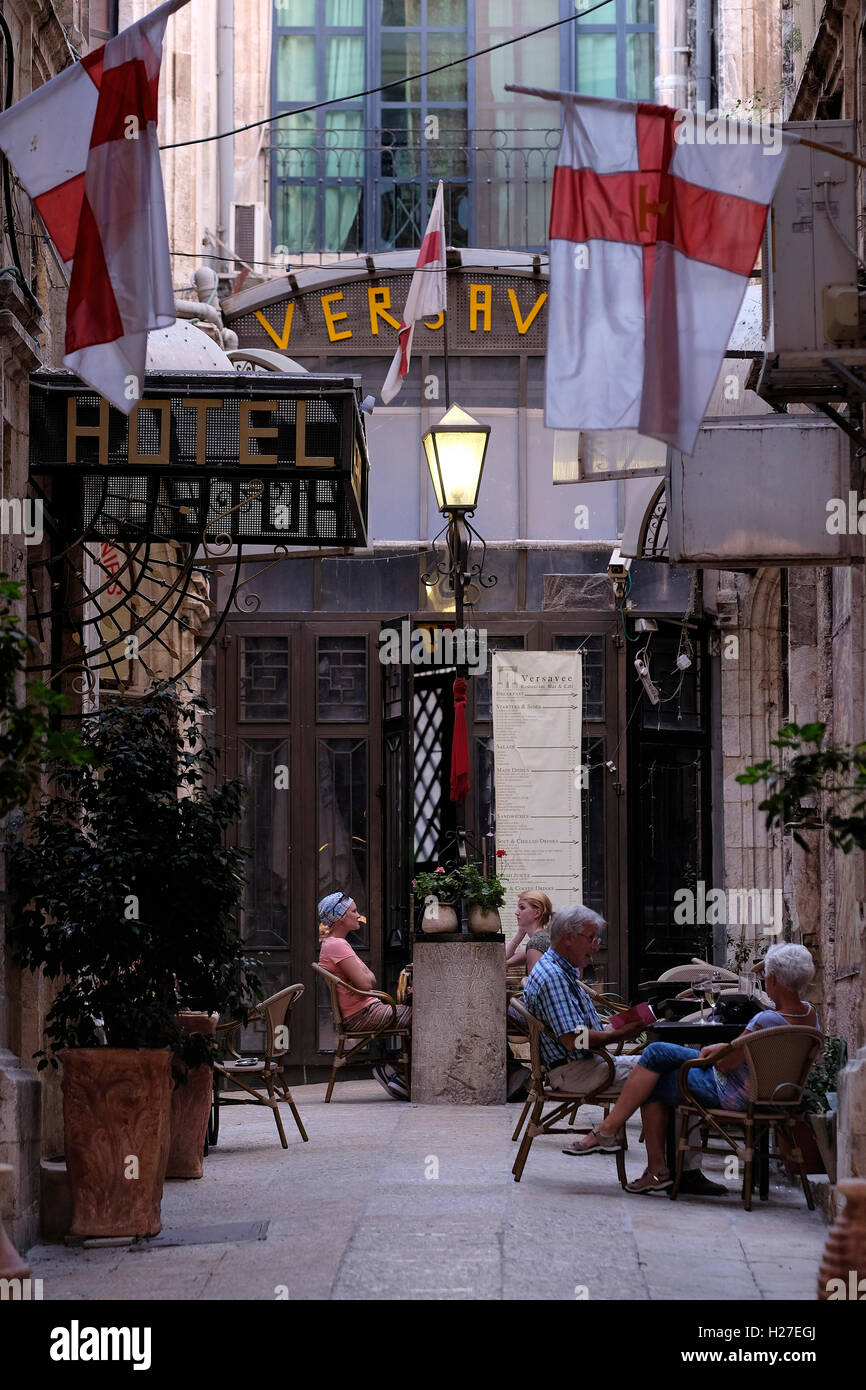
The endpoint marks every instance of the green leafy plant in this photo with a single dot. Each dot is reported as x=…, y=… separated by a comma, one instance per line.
x=743, y=953
x=124, y=889
x=832, y=770
x=28, y=736
x=824, y=1076
x=486, y=893
x=444, y=884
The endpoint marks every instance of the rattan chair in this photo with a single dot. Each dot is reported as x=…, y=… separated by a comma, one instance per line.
x=779, y=1062
x=275, y=1014
x=345, y=1033
x=541, y=1093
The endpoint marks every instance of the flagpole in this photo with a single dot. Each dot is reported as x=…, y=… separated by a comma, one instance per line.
x=445, y=355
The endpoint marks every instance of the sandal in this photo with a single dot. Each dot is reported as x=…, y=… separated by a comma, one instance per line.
x=649, y=1183
x=603, y=1145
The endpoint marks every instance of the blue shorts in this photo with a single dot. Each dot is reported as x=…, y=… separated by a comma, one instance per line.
x=666, y=1059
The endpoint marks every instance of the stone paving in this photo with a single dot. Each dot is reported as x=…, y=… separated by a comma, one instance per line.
x=396, y=1201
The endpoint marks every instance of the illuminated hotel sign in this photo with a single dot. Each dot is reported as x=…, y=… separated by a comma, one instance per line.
x=488, y=311
x=255, y=457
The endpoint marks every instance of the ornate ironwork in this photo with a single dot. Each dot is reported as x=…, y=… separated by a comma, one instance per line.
x=653, y=544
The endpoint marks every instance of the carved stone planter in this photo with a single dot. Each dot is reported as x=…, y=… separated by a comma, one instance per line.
x=484, y=919
x=190, y=1106
x=116, y=1121
x=11, y=1264
x=842, y=1273
x=439, y=917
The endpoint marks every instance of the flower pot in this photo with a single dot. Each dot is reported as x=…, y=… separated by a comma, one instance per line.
x=116, y=1121
x=190, y=1106
x=483, y=919
x=439, y=917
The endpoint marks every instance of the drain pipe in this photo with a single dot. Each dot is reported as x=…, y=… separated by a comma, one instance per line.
x=704, y=53
x=225, y=119
x=674, y=52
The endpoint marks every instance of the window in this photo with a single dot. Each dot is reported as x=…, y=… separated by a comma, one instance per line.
x=362, y=176
x=615, y=50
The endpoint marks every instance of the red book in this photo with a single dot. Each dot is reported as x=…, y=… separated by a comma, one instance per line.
x=641, y=1013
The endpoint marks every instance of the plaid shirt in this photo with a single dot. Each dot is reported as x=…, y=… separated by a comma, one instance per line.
x=553, y=993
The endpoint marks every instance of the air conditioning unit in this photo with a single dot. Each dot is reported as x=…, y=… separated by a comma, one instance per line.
x=251, y=234
x=812, y=307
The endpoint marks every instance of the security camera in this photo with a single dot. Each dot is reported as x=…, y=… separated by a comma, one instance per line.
x=618, y=565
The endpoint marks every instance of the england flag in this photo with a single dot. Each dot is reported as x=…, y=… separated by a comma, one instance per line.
x=85, y=148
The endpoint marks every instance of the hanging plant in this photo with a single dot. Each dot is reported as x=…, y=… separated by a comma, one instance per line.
x=832, y=771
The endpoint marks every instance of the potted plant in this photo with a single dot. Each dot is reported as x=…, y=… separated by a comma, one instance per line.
x=820, y=1100
x=484, y=897
x=439, y=889
x=125, y=893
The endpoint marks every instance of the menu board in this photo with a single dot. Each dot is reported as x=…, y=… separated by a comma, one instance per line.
x=537, y=716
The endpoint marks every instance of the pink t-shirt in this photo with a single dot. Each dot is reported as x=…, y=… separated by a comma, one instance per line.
x=336, y=949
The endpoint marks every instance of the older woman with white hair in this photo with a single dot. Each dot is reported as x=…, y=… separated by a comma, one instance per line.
x=653, y=1085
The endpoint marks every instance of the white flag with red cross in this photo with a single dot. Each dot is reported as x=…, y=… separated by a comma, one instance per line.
x=654, y=232
x=427, y=295
x=85, y=148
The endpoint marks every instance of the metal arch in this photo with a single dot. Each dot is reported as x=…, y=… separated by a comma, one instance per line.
x=653, y=538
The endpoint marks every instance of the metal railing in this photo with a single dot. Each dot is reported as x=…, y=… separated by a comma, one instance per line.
x=349, y=192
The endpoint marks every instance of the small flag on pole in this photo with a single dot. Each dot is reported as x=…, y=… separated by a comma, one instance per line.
x=427, y=294
x=85, y=148
x=654, y=232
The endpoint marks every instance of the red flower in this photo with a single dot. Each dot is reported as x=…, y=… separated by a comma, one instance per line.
x=500, y=853
x=440, y=871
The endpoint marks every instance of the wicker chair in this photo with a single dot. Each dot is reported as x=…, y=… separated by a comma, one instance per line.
x=779, y=1062
x=275, y=1013
x=345, y=1033
x=564, y=1102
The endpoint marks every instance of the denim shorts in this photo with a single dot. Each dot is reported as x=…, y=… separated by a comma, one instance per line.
x=666, y=1059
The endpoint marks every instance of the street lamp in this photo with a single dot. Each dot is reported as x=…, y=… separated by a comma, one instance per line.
x=456, y=449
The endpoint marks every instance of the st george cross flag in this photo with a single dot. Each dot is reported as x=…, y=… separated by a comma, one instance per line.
x=653, y=237
x=85, y=148
x=427, y=295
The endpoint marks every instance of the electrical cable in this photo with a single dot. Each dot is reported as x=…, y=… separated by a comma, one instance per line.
x=387, y=86
x=835, y=225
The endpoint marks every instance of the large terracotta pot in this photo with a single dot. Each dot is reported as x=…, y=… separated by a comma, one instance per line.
x=116, y=1121
x=190, y=1106
x=484, y=919
x=842, y=1272
x=439, y=917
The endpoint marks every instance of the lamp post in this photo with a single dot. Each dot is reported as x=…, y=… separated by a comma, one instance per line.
x=456, y=449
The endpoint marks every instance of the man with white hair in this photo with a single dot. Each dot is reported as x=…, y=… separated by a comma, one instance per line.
x=554, y=994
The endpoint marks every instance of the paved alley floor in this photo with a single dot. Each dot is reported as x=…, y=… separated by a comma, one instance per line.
x=397, y=1201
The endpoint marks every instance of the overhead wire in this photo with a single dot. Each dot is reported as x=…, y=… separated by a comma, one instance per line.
x=387, y=86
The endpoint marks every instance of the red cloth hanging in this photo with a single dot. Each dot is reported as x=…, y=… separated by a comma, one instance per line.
x=459, y=744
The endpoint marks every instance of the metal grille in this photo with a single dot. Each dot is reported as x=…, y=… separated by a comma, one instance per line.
x=429, y=791
x=264, y=693
x=342, y=680
x=592, y=650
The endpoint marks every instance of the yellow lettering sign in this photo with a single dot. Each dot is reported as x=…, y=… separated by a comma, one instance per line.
x=247, y=432
x=75, y=431
x=433, y=324
x=201, y=405
x=480, y=301
x=301, y=459
x=331, y=318
x=379, y=301
x=163, y=408
x=523, y=325
x=282, y=341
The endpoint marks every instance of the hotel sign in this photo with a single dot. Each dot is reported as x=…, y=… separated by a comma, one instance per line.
x=255, y=457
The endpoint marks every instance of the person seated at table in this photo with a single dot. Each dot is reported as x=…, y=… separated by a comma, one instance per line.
x=534, y=911
x=554, y=994
x=653, y=1085
x=338, y=913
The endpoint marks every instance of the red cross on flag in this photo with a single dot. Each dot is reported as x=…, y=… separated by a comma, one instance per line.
x=85, y=148
x=427, y=295
x=654, y=232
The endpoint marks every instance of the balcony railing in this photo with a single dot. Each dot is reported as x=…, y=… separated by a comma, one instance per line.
x=347, y=192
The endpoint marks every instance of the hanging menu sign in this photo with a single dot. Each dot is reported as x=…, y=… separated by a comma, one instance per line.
x=537, y=716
